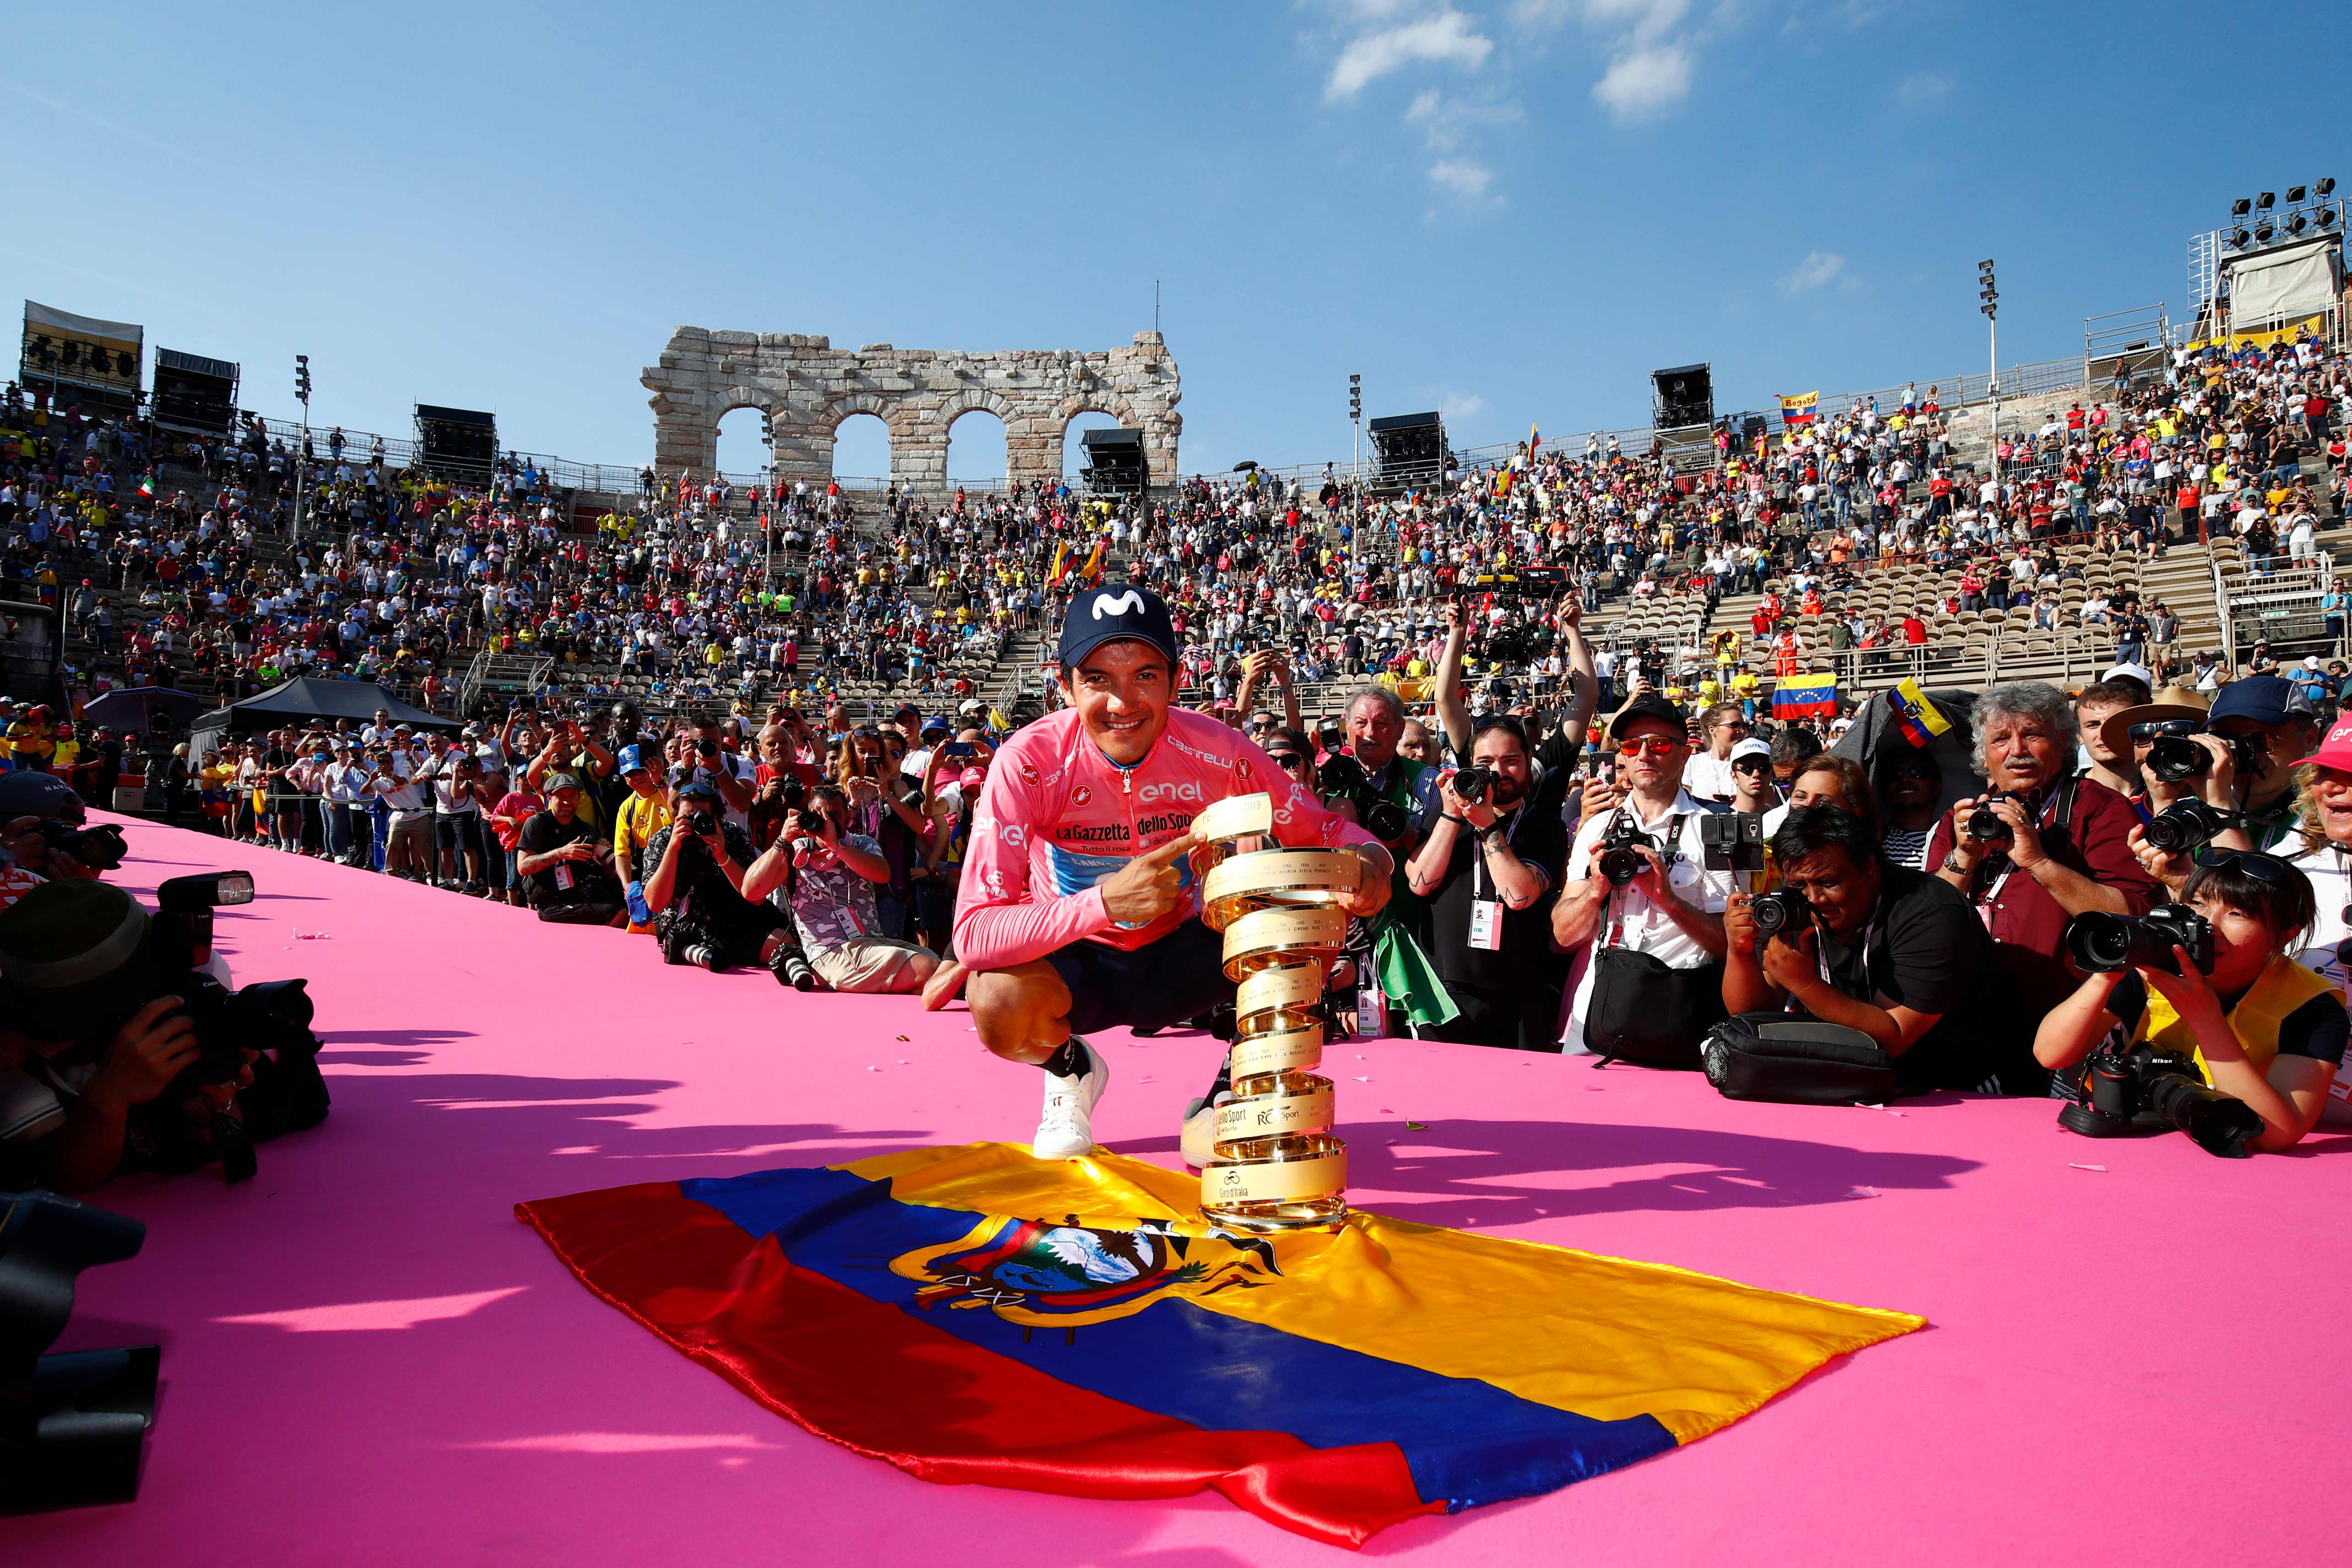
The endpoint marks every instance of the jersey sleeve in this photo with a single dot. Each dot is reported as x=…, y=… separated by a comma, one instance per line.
x=1001, y=919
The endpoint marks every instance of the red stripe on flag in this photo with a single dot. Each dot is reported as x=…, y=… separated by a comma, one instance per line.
x=885, y=1384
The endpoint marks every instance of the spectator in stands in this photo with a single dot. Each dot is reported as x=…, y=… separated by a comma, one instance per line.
x=2050, y=847
x=1707, y=775
x=826, y=876
x=1908, y=785
x=566, y=867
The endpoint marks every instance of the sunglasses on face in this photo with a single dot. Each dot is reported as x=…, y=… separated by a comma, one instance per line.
x=1287, y=759
x=2155, y=727
x=1646, y=745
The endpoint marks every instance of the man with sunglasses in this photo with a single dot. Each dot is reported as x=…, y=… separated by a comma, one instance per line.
x=1673, y=908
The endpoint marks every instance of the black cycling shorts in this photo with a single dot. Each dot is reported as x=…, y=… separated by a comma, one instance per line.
x=1158, y=983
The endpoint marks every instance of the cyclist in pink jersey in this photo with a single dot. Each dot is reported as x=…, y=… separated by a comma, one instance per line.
x=1076, y=910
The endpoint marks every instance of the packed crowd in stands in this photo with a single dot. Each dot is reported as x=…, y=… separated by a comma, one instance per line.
x=756, y=734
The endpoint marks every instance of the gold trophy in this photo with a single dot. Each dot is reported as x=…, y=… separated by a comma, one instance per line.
x=1276, y=1165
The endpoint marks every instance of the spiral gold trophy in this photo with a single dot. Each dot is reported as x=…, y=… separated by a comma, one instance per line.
x=1276, y=1165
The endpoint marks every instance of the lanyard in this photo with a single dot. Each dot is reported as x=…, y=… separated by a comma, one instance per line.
x=1615, y=930
x=1478, y=850
x=1991, y=895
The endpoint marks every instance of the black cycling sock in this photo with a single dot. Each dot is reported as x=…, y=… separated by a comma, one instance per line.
x=1067, y=1062
x=1223, y=1082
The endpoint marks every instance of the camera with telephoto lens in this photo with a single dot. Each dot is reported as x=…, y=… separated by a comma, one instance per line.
x=2102, y=944
x=2131, y=1093
x=1473, y=782
x=1781, y=910
x=1618, y=862
x=1985, y=825
x=2172, y=758
x=272, y=1017
x=2186, y=825
x=101, y=848
x=1342, y=777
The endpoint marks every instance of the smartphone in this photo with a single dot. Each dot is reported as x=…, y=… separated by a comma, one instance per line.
x=957, y=748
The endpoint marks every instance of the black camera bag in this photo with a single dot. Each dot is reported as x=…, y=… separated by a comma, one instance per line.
x=1642, y=1011
x=1791, y=1059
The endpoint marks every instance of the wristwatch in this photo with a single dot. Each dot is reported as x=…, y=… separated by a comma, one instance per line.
x=1952, y=863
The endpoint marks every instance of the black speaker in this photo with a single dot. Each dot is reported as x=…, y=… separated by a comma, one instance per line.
x=1407, y=450
x=457, y=443
x=1116, y=462
x=1683, y=396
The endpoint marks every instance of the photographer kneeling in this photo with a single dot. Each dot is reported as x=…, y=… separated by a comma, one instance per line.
x=2240, y=1016
x=1892, y=952
x=826, y=877
x=694, y=886
x=565, y=864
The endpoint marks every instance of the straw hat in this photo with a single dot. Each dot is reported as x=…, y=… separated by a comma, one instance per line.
x=2172, y=702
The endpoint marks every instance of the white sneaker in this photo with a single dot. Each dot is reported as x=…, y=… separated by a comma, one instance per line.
x=1201, y=1129
x=1067, y=1130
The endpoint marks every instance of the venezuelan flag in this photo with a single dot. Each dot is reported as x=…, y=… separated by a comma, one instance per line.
x=973, y=1314
x=1802, y=696
x=1919, y=720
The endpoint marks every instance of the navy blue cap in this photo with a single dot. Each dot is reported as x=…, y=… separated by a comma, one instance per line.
x=1108, y=614
x=2265, y=699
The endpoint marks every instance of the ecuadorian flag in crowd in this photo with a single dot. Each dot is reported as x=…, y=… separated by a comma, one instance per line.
x=1803, y=696
x=974, y=1314
x=1918, y=719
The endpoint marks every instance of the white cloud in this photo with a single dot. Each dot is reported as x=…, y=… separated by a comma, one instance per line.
x=1923, y=86
x=1460, y=404
x=1446, y=122
x=1646, y=20
x=1446, y=38
x=1461, y=176
x=1819, y=269
x=1640, y=84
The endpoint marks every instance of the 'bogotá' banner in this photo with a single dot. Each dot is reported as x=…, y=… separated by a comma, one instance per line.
x=66, y=350
x=1797, y=408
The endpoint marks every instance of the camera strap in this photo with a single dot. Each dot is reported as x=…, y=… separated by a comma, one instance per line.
x=1613, y=917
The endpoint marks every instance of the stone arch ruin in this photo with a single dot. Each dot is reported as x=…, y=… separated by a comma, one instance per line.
x=805, y=388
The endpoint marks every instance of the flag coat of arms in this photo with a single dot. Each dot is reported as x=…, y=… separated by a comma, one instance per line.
x=971, y=1314
x=1918, y=719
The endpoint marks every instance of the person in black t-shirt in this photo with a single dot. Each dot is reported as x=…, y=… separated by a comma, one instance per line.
x=1490, y=868
x=1893, y=952
x=566, y=865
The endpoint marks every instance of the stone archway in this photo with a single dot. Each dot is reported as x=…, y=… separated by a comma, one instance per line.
x=806, y=387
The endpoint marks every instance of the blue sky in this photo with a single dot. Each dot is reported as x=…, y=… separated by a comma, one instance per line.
x=1512, y=211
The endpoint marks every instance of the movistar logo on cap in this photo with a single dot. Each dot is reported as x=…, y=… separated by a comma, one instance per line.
x=1127, y=604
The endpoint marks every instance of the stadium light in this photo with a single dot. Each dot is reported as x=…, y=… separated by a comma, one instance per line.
x=2293, y=195
x=2327, y=219
x=2240, y=239
x=2262, y=232
x=2294, y=225
x=2325, y=189
x=2241, y=208
x=2263, y=203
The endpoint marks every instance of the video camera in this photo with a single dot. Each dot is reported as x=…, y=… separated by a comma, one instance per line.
x=2102, y=944
x=2134, y=1092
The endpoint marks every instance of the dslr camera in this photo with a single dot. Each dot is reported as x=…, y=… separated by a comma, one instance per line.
x=2172, y=758
x=1473, y=782
x=1781, y=910
x=2131, y=1093
x=699, y=823
x=1619, y=865
x=2186, y=825
x=1984, y=824
x=101, y=847
x=2102, y=944
x=1342, y=777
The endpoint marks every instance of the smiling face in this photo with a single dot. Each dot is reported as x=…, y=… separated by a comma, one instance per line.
x=1122, y=691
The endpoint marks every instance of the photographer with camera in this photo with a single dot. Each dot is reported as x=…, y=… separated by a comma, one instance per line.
x=2038, y=847
x=695, y=868
x=1853, y=940
x=124, y=1049
x=2268, y=727
x=1488, y=870
x=644, y=813
x=824, y=875
x=1638, y=902
x=43, y=830
x=2197, y=1010
x=1556, y=750
x=565, y=864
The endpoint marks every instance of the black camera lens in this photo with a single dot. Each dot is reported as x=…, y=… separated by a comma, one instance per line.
x=1782, y=909
x=2172, y=758
x=2184, y=825
x=1473, y=782
x=1985, y=825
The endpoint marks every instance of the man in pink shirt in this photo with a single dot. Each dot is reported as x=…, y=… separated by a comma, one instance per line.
x=1078, y=908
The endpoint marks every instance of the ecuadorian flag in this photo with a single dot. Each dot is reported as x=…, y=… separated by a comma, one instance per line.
x=974, y=1314
x=1918, y=719
x=1803, y=696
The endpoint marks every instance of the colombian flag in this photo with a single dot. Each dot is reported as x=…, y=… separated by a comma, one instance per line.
x=1061, y=566
x=1803, y=696
x=1919, y=720
x=973, y=1314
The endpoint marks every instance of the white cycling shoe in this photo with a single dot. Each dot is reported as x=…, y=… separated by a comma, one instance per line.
x=1067, y=1130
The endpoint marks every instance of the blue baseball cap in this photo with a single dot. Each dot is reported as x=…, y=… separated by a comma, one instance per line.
x=631, y=759
x=2265, y=699
x=1108, y=613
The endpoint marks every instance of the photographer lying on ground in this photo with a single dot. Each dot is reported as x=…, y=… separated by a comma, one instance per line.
x=2254, y=1024
x=1884, y=949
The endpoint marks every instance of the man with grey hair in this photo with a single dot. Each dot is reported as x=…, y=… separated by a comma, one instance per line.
x=2035, y=848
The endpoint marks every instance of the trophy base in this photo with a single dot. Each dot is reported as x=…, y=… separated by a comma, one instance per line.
x=1270, y=1218
x=1294, y=1182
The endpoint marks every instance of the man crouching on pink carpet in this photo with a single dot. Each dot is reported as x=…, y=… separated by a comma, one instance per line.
x=1078, y=909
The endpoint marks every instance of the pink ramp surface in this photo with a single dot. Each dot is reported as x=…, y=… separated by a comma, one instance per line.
x=368, y=1360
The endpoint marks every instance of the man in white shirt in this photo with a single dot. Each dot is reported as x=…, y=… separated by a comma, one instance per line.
x=1673, y=909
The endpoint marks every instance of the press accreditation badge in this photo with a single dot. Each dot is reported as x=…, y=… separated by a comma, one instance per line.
x=1486, y=924
x=563, y=877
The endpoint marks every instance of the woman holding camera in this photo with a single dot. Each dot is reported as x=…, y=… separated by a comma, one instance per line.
x=2263, y=1027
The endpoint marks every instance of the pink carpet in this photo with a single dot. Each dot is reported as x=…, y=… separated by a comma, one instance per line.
x=367, y=1359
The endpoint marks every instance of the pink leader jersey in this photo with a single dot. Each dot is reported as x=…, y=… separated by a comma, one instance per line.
x=1056, y=817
